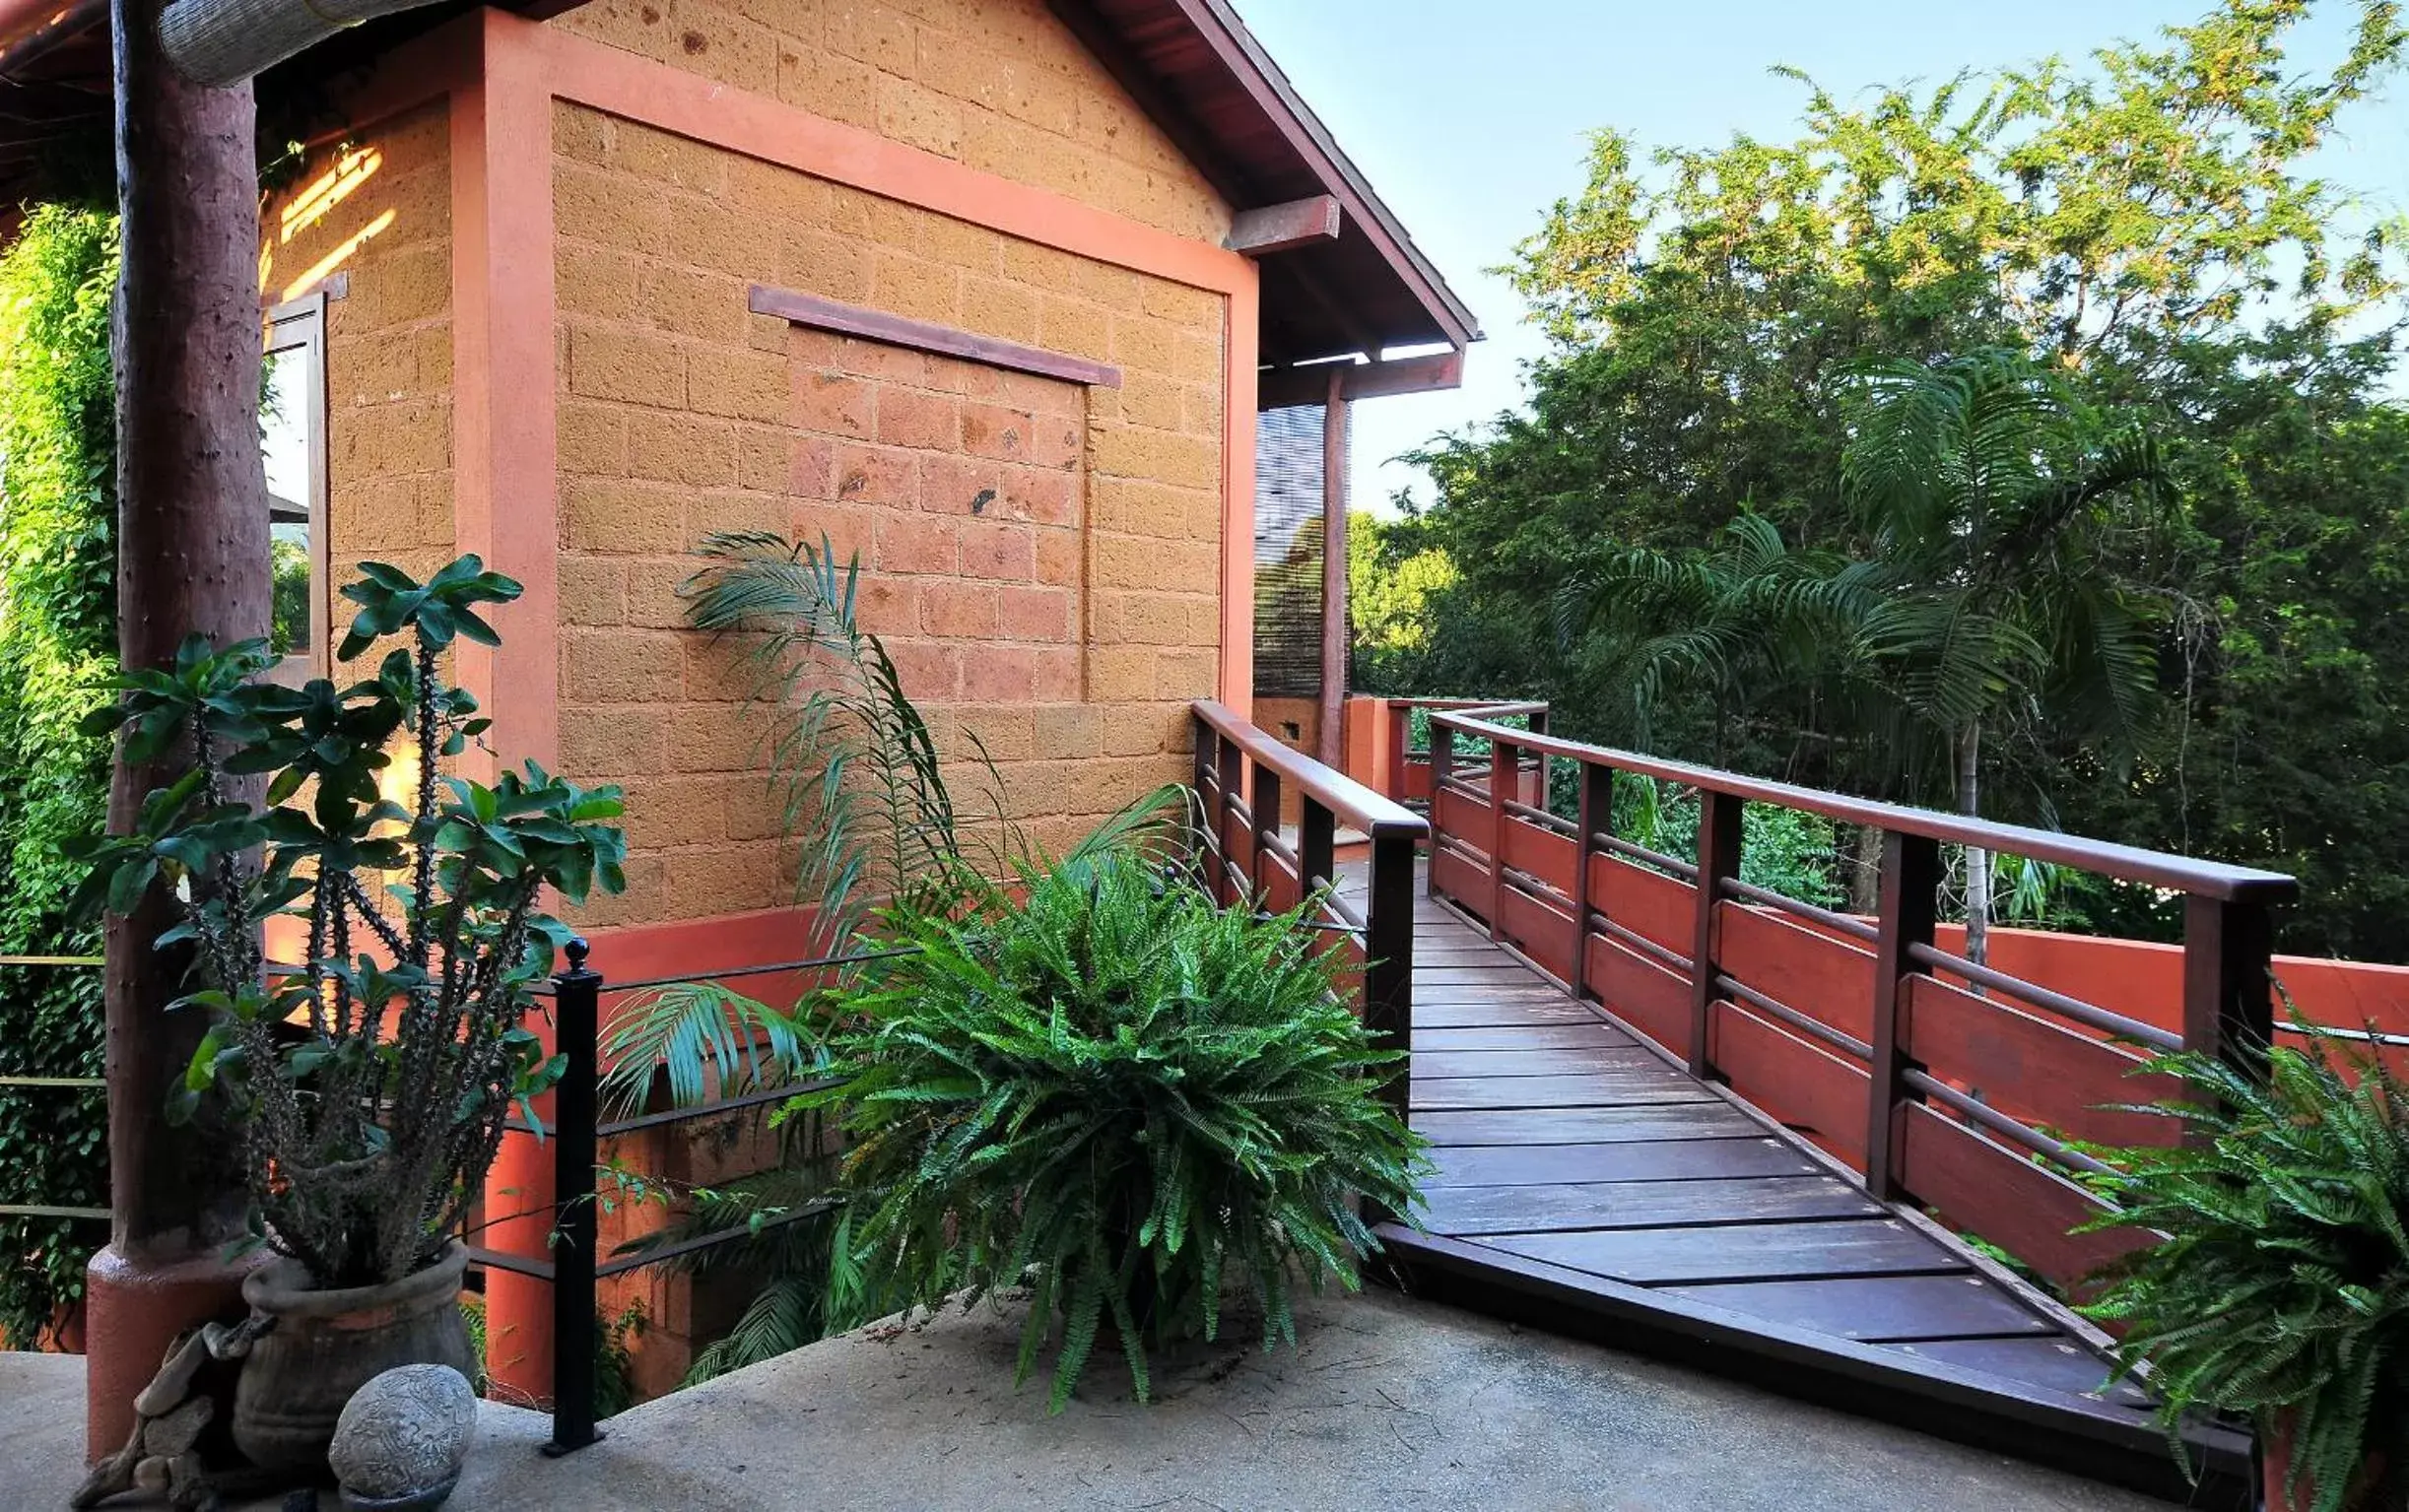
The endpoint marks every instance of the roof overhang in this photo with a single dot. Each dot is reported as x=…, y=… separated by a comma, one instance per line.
x=1340, y=276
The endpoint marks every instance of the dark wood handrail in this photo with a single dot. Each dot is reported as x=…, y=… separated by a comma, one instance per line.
x=1353, y=804
x=2127, y=863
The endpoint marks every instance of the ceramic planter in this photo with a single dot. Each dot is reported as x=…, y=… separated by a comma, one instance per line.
x=327, y=1345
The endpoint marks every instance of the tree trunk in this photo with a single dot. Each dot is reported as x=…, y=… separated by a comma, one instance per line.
x=1866, y=873
x=192, y=556
x=1977, y=860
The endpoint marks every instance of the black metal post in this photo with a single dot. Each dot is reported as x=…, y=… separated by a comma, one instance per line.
x=576, y=1007
x=1910, y=886
x=1718, y=857
x=1388, y=945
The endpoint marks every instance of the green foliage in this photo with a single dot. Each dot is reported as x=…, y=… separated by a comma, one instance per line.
x=1122, y=1093
x=2280, y=1288
x=58, y=643
x=2147, y=230
x=366, y=1132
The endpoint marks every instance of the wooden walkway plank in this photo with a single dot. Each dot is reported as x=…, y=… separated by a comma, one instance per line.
x=1586, y=1125
x=1760, y=1252
x=1880, y=1311
x=1469, y=1210
x=1631, y=1087
x=1519, y=1037
x=1520, y=1061
x=1484, y=1166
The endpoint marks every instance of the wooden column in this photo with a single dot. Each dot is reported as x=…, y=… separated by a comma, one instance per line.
x=1331, y=746
x=1443, y=763
x=1911, y=887
x=1505, y=769
x=1596, y=814
x=1718, y=857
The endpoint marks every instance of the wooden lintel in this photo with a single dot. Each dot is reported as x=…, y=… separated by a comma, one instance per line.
x=1270, y=229
x=925, y=336
x=1286, y=386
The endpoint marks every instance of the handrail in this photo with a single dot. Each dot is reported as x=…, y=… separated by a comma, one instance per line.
x=1357, y=806
x=2127, y=863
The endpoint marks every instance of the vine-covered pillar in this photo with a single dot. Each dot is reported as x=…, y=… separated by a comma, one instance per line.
x=192, y=557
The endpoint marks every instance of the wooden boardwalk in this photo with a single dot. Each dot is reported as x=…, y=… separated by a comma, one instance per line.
x=1585, y=1182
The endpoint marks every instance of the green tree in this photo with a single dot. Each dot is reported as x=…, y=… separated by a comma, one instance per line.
x=58, y=654
x=2145, y=228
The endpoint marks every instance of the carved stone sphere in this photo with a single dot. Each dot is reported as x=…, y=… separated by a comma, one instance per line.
x=403, y=1437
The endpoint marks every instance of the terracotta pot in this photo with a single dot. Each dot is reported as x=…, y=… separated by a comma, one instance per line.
x=327, y=1345
x=2276, y=1457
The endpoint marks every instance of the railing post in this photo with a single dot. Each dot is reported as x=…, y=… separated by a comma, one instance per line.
x=1201, y=815
x=1388, y=950
x=1504, y=781
x=1231, y=762
x=1718, y=857
x=1443, y=765
x=1265, y=799
x=1316, y=844
x=576, y=1005
x=2228, y=997
x=1911, y=887
x=1398, y=719
x=1596, y=814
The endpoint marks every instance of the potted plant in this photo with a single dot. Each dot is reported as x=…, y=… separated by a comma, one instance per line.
x=368, y=1081
x=1096, y=1080
x=2280, y=1289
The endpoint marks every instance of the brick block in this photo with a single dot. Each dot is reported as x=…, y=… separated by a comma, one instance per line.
x=763, y=458
x=930, y=671
x=1074, y=326
x=837, y=404
x=691, y=302
x=1185, y=675
x=609, y=514
x=992, y=430
x=959, y=610
x=998, y=550
x=903, y=285
x=735, y=879
x=915, y=418
x=697, y=451
x=721, y=742
x=1037, y=614
x=611, y=209
x=666, y=812
x=826, y=83
x=1163, y=456
x=1120, y=673
x=740, y=383
x=877, y=475
x=916, y=542
x=707, y=236
x=722, y=509
x=832, y=266
x=877, y=35
x=591, y=280
x=1069, y=731
x=633, y=367
x=960, y=486
x=618, y=667
x=592, y=439
x=1059, y=557
x=1007, y=731
x=999, y=675
x=1054, y=674
x=918, y=116
x=888, y=606
x=1042, y=496
x=603, y=743
x=993, y=308
x=593, y=591
x=810, y=467
x=653, y=600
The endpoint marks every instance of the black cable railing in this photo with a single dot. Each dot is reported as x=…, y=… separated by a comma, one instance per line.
x=55, y=1085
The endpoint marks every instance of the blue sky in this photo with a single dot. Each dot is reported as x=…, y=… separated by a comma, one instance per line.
x=1470, y=117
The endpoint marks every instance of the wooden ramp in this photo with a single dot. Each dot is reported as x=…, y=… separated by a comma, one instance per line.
x=1587, y=1183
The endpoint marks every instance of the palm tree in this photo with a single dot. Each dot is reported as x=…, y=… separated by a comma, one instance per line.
x=2005, y=517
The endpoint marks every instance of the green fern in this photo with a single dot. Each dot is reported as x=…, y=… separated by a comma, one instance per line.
x=2280, y=1288
x=1100, y=1083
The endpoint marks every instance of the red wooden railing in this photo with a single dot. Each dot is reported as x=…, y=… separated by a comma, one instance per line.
x=1941, y=1082
x=1241, y=776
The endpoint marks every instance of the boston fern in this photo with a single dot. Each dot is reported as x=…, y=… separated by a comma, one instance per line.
x=2281, y=1289
x=1098, y=1082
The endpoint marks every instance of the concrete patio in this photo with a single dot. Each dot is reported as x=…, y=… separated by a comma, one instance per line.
x=1388, y=1401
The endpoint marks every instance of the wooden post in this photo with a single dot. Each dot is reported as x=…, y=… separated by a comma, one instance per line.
x=1260, y=862
x=1718, y=857
x=192, y=557
x=1201, y=815
x=1911, y=887
x=1232, y=788
x=1388, y=946
x=1333, y=568
x=1396, y=718
x=1443, y=763
x=1505, y=780
x=2229, y=998
x=1596, y=814
x=1316, y=845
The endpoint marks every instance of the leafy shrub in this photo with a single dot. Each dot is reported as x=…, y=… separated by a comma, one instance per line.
x=2281, y=1289
x=58, y=649
x=370, y=1086
x=1111, y=1086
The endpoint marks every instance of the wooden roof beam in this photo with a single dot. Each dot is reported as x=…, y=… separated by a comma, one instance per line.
x=1285, y=386
x=1270, y=229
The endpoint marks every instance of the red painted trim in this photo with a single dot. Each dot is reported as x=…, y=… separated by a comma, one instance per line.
x=819, y=314
x=591, y=73
x=1241, y=340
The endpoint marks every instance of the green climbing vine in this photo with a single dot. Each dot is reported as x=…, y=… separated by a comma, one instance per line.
x=57, y=650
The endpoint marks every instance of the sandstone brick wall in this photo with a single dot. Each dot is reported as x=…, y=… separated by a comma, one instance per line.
x=995, y=84
x=379, y=213
x=1067, y=616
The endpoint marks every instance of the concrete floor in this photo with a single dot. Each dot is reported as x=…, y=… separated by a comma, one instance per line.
x=1389, y=1403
